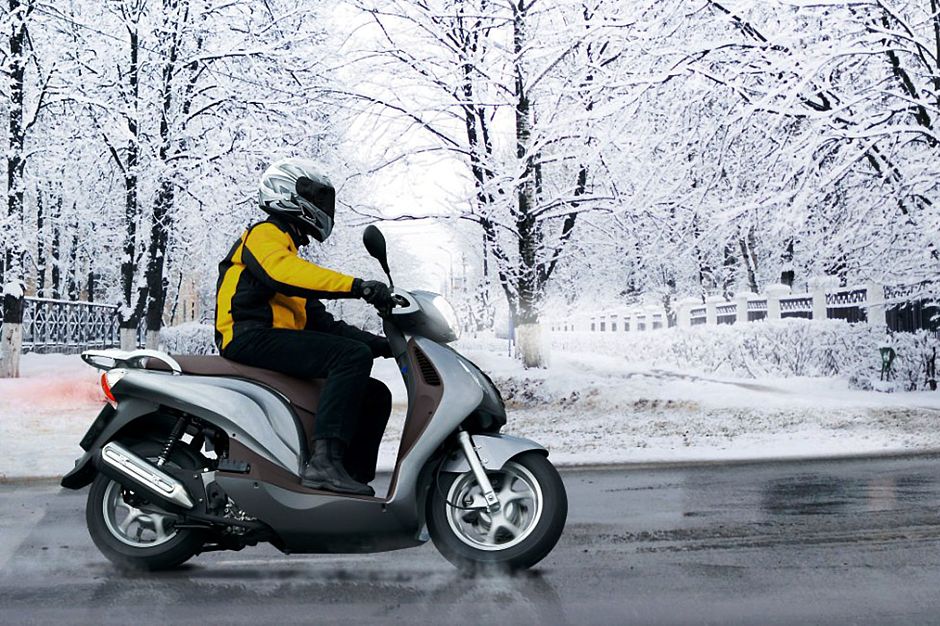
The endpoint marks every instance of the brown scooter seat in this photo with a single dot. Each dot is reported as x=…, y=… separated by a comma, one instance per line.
x=304, y=394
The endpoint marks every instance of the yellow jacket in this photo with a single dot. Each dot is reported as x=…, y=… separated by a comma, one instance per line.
x=264, y=283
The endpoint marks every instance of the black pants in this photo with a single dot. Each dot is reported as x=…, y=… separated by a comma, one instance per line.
x=353, y=407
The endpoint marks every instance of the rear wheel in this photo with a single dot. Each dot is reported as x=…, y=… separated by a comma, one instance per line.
x=532, y=514
x=132, y=533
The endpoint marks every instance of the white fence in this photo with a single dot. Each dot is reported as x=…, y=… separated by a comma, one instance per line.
x=897, y=308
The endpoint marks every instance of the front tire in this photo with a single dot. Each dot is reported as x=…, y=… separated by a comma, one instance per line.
x=533, y=510
x=132, y=538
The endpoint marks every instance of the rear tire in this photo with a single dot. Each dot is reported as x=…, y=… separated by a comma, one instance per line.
x=534, y=508
x=121, y=537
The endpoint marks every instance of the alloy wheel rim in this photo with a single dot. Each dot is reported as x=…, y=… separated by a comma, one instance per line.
x=520, y=500
x=134, y=527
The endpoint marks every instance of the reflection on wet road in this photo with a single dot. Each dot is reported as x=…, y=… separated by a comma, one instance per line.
x=798, y=542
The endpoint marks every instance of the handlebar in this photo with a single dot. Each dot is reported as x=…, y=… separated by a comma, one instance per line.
x=396, y=301
x=386, y=309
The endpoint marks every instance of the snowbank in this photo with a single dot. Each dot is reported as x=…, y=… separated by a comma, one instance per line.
x=590, y=408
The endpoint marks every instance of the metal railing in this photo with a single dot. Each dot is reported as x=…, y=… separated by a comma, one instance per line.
x=65, y=326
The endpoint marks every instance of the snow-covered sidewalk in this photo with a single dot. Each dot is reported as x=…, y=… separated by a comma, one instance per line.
x=585, y=408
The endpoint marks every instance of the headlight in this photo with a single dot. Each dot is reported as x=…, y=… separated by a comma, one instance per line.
x=447, y=312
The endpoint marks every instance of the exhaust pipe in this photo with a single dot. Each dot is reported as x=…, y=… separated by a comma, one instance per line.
x=122, y=465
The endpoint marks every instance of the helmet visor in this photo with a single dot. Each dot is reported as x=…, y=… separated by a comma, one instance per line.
x=321, y=196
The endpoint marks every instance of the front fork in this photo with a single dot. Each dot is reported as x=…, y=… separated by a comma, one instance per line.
x=492, y=502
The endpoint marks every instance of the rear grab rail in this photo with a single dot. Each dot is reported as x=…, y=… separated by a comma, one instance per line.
x=135, y=359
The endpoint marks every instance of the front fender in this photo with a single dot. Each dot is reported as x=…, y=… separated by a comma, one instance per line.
x=494, y=451
x=108, y=424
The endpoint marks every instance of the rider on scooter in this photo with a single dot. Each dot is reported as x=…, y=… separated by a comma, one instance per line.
x=269, y=315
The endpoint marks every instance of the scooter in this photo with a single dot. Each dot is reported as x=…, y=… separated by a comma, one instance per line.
x=198, y=453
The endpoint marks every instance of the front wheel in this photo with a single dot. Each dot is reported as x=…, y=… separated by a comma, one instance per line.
x=532, y=514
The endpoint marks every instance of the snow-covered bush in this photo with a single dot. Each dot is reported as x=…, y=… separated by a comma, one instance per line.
x=791, y=347
x=913, y=366
x=188, y=338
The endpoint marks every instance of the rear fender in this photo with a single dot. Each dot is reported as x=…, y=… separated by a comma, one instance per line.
x=494, y=451
x=133, y=418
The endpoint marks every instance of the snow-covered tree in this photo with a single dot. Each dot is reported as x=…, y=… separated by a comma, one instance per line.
x=508, y=92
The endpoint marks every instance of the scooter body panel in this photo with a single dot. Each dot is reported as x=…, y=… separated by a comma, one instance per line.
x=248, y=412
x=108, y=424
x=321, y=523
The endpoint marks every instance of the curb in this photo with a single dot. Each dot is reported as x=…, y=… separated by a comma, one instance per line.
x=835, y=458
x=43, y=481
x=29, y=481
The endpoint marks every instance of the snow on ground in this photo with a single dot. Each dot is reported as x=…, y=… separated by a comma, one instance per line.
x=44, y=414
x=585, y=408
x=588, y=408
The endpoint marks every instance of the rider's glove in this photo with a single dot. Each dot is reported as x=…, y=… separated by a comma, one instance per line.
x=374, y=292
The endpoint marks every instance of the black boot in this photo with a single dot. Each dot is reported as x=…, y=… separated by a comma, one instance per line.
x=325, y=470
x=360, y=476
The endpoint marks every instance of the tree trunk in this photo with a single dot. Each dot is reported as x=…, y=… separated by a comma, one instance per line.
x=750, y=261
x=705, y=277
x=74, y=289
x=40, y=246
x=156, y=280
x=11, y=336
x=728, y=266
x=163, y=208
x=152, y=339
x=56, y=256
x=530, y=345
x=787, y=273
x=128, y=337
x=528, y=289
x=668, y=300
x=935, y=12
x=134, y=295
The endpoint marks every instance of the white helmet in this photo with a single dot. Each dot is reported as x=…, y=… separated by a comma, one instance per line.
x=296, y=189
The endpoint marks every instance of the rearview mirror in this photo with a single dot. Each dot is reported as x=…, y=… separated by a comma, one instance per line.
x=374, y=241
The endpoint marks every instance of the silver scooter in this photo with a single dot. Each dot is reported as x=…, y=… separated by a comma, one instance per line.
x=198, y=453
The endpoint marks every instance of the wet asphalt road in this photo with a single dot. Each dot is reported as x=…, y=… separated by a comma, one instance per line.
x=837, y=542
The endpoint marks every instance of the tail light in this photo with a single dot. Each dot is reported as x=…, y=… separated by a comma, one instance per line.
x=108, y=380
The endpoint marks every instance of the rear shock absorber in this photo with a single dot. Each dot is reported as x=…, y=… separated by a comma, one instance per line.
x=178, y=429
